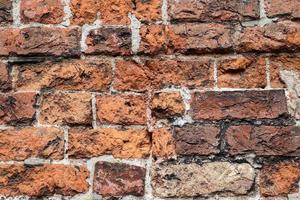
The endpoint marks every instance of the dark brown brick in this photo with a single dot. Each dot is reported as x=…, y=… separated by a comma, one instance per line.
x=111, y=41
x=6, y=12
x=191, y=38
x=213, y=10
x=263, y=140
x=17, y=108
x=5, y=79
x=117, y=179
x=40, y=41
x=196, y=140
x=213, y=105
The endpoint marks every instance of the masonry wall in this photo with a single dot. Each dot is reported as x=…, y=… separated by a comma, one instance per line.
x=150, y=99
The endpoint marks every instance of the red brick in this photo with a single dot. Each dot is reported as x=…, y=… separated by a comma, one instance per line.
x=196, y=140
x=6, y=12
x=17, y=108
x=126, y=144
x=242, y=72
x=279, y=8
x=83, y=11
x=66, y=108
x=88, y=75
x=263, y=140
x=213, y=10
x=279, y=179
x=45, y=180
x=5, y=79
x=20, y=144
x=42, y=11
x=163, y=145
x=281, y=36
x=109, y=40
x=167, y=105
x=238, y=105
x=282, y=62
x=159, y=73
x=153, y=39
x=117, y=179
x=122, y=109
x=40, y=41
x=149, y=10
x=193, y=38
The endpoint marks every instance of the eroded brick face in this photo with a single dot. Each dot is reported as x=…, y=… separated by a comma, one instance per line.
x=149, y=99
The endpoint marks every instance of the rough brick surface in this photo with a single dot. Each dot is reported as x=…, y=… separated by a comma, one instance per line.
x=196, y=140
x=239, y=104
x=42, y=11
x=263, y=140
x=214, y=10
x=112, y=41
x=159, y=73
x=20, y=144
x=121, y=109
x=281, y=36
x=17, y=108
x=167, y=105
x=149, y=10
x=5, y=79
x=42, y=180
x=183, y=180
x=280, y=63
x=88, y=75
x=131, y=143
x=66, y=108
x=40, y=41
x=84, y=11
x=163, y=143
x=116, y=179
x=6, y=12
x=290, y=8
x=192, y=38
x=242, y=72
x=279, y=179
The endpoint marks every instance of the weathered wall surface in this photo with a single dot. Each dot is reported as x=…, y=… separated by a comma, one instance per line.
x=150, y=99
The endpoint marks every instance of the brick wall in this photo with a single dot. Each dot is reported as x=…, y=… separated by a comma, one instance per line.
x=156, y=99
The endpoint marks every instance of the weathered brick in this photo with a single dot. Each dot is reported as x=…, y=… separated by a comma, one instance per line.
x=242, y=72
x=163, y=145
x=115, y=12
x=17, y=108
x=207, y=11
x=282, y=62
x=109, y=40
x=183, y=180
x=196, y=140
x=89, y=74
x=238, y=104
x=40, y=41
x=121, y=109
x=279, y=179
x=276, y=8
x=117, y=179
x=20, y=144
x=87, y=143
x=159, y=73
x=42, y=11
x=66, y=108
x=153, y=39
x=45, y=180
x=83, y=11
x=263, y=140
x=5, y=79
x=149, y=10
x=167, y=105
x=281, y=36
x=6, y=12
x=193, y=38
